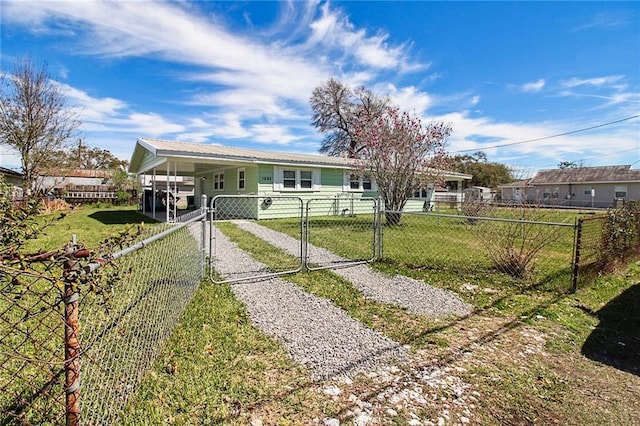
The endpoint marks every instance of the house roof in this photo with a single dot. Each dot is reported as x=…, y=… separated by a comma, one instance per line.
x=214, y=154
x=602, y=174
x=10, y=172
x=517, y=184
x=84, y=173
x=186, y=158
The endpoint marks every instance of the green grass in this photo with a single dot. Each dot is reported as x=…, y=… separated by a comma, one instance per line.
x=446, y=252
x=217, y=368
x=90, y=224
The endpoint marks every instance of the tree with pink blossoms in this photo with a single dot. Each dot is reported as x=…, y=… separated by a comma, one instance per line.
x=402, y=155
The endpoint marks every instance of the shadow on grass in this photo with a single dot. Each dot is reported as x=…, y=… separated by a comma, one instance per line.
x=616, y=340
x=124, y=217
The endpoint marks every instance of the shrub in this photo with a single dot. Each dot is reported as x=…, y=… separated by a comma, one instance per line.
x=472, y=208
x=513, y=240
x=620, y=239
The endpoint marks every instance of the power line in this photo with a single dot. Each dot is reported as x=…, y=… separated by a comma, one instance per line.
x=598, y=156
x=549, y=137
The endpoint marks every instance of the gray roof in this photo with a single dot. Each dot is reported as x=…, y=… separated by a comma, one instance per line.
x=604, y=174
x=192, y=158
x=164, y=148
x=9, y=172
x=517, y=184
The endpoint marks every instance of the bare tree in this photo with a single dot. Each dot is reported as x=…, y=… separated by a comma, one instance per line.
x=35, y=119
x=336, y=111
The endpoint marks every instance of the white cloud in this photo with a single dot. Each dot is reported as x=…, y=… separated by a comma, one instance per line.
x=333, y=29
x=408, y=98
x=549, y=152
x=611, y=89
x=534, y=86
x=607, y=20
x=254, y=75
x=595, y=82
x=272, y=134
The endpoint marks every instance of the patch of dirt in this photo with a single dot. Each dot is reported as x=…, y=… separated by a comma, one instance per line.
x=495, y=371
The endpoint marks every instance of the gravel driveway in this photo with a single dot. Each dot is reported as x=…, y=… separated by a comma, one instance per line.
x=316, y=333
x=413, y=295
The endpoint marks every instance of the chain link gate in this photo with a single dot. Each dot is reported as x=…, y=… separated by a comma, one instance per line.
x=314, y=224
x=339, y=223
x=226, y=211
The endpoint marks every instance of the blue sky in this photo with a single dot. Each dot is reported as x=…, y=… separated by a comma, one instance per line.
x=241, y=73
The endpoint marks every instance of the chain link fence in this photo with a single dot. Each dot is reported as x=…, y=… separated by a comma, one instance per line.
x=604, y=242
x=347, y=225
x=31, y=348
x=517, y=243
x=124, y=322
x=287, y=210
x=113, y=328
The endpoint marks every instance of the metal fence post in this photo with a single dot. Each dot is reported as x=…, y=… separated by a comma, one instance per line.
x=304, y=234
x=203, y=242
x=379, y=227
x=576, y=255
x=71, y=337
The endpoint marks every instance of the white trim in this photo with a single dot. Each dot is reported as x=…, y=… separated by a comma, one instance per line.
x=346, y=183
x=244, y=178
x=278, y=179
x=216, y=180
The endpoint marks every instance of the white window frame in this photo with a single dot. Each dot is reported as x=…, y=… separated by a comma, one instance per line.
x=421, y=194
x=551, y=193
x=620, y=189
x=424, y=193
x=349, y=178
x=587, y=190
x=218, y=181
x=278, y=179
x=242, y=179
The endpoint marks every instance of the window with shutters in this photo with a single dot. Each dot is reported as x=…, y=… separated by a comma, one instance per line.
x=293, y=179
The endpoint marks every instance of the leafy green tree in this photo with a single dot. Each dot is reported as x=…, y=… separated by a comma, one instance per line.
x=484, y=172
x=86, y=158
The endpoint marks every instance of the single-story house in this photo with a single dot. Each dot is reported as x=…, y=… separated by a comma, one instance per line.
x=601, y=186
x=224, y=170
x=14, y=179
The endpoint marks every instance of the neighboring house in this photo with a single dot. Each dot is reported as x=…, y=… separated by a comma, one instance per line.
x=222, y=170
x=515, y=192
x=14, y=179
x=581, y=187
x=76, y=185
x=182, y=187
